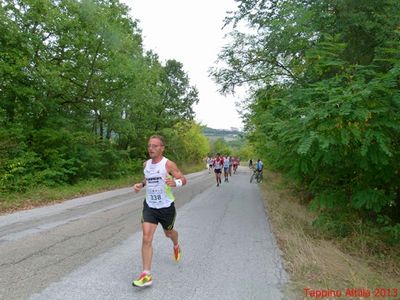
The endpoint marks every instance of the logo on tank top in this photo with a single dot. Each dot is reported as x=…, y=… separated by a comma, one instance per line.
x=153, y=179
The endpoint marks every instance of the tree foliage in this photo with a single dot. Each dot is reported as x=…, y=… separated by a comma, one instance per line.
x=326, y=106
x=78, y=95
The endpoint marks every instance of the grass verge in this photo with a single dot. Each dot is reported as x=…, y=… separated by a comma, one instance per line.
x=43, y=195
x=319, y=263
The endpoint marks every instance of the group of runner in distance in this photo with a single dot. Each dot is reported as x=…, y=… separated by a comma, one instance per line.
x=222, y=163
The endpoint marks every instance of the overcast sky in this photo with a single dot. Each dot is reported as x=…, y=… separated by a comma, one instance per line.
x=189, y=31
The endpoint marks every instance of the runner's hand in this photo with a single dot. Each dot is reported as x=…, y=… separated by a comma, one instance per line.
x=137, y=187
x=170, y=181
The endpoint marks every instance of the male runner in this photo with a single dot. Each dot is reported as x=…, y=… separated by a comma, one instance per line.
x=160, y=174
x=230, y=165
x=226, y=168
x=210, y=164
x=235, y=164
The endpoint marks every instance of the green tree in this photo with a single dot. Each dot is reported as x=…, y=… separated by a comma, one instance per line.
x=78, y=96
x=177, y=96
x=325, y=104
x=221, y=146
x=186, y=142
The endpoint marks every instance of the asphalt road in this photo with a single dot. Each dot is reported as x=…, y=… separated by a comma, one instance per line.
x=89, y=248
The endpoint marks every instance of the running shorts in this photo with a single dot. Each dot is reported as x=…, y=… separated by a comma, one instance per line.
x=217, y=171
x=165, y=216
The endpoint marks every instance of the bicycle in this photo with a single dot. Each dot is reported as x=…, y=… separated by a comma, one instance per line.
x=257, y=175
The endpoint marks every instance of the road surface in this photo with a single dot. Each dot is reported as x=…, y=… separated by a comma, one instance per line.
x=89, y=248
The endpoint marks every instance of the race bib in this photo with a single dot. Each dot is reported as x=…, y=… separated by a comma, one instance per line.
x=155, y=194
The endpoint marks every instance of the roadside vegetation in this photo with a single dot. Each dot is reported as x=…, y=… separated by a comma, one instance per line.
x=323, y=105
x=318, y=260
x=79, y=98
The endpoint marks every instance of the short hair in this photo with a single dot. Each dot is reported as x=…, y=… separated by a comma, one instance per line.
x=159, y=137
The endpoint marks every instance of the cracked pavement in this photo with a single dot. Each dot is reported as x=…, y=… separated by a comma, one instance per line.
x=90, y=248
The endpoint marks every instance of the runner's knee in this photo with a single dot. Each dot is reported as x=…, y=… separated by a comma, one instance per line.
x=147, y=239
x=169, y=233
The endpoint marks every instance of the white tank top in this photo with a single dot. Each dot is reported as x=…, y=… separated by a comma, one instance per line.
x=226, y=163
x=218, y=164
x=158, y=193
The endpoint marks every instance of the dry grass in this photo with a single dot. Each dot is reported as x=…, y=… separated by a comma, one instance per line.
x=315, y=262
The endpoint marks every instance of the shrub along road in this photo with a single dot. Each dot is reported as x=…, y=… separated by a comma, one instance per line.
x=89, y=248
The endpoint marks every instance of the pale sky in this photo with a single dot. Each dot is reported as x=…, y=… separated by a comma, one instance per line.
x=189, y=31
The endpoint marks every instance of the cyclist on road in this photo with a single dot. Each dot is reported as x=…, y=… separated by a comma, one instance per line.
x=259, y=167
x=160, y=174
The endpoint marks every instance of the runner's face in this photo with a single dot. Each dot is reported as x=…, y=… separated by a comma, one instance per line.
x=155, y=148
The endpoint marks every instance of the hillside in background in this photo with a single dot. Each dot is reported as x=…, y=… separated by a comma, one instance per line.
x=228, y=135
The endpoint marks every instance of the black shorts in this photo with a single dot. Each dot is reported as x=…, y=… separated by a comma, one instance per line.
x=164, y=216
x=217, y=171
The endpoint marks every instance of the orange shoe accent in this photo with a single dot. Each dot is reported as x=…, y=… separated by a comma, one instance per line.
x=177, y=253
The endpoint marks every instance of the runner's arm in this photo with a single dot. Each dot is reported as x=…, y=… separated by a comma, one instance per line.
x=138, y=186
x=176, y=173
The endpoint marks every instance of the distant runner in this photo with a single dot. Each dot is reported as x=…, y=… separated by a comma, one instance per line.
x=226, y=168
x=235, y=164
x=217, y=165
x=210, y=164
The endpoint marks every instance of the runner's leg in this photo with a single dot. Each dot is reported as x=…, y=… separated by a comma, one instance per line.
x=147, y=247
x=173, y=235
